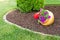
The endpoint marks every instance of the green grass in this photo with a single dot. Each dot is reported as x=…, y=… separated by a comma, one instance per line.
x=52, y=2
x=12, y=32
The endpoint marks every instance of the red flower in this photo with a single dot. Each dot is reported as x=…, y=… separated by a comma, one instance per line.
x=36, y=15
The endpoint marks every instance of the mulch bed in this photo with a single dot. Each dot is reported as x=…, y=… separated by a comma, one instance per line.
x=27, y=21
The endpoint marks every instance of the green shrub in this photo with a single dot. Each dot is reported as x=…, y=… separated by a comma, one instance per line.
x=38, y=4
x=29, y=5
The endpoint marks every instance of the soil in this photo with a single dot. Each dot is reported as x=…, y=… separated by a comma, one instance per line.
x=26, y=20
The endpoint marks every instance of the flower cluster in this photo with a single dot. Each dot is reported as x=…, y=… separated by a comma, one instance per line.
x=44, y=15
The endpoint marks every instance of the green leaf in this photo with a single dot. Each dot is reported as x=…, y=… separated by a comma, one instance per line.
x=42, y=13
x=46, y=16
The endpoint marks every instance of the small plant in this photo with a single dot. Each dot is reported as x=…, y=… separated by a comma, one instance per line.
x=45, y=17
x=42, y=15
x=29, y=5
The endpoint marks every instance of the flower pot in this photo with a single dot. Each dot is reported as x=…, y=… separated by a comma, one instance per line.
x=48, y=21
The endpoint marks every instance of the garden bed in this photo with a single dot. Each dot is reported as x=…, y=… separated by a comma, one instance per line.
x=27, y=21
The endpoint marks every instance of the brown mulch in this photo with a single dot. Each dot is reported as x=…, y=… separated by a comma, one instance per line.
x=27, y=21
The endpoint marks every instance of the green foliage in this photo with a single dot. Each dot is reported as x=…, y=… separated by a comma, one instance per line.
x=29, y=5
x=38, y=4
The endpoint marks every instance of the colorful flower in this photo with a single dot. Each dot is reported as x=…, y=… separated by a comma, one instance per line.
x=49, y=16
x=45, y=12
x=41, y=9
x=42, y=18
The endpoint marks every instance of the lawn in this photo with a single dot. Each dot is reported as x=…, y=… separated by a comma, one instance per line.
x=52, y=2
x=12, y=32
